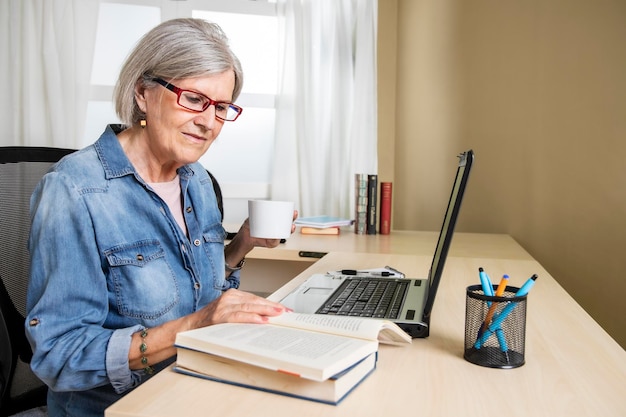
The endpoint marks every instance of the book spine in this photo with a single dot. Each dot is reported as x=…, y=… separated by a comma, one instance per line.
x=384, y=227
x=372, y=201
x=360, y=192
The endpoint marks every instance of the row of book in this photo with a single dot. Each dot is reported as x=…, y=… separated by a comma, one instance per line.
x=371, y=213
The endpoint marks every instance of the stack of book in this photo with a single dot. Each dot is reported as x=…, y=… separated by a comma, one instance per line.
x=322, y=225
x=367, y=210
x=308, y=356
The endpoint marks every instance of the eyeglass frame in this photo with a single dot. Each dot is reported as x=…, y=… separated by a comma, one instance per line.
x=210, y=102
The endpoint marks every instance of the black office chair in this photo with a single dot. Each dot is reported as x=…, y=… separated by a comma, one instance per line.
x=21, y=168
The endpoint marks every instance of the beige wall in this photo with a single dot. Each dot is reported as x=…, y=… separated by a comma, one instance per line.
x=538, y=89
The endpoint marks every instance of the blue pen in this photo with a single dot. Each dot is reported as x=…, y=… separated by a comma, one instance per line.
x=504, y=348
x=490, y=313
x=485, y=282
x=499, y=318
x=527, y=286
x=495, y=325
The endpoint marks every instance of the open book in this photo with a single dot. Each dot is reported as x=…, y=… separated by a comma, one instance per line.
x=310, y=346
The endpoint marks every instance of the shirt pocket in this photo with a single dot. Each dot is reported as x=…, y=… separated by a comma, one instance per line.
x=213, y=243
x=144, y=284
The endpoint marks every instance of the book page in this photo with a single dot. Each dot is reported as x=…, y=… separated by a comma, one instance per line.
x=284, y=341
x=313, y=355
x=369, y=329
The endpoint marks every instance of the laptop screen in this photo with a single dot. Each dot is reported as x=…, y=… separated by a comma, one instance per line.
x=447, y=228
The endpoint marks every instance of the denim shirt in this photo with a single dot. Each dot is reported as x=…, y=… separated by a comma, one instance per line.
x=108, y=259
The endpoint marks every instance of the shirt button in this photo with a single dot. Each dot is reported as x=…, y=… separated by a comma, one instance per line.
x=196, y=285
x=189, y=209
x=196, y=242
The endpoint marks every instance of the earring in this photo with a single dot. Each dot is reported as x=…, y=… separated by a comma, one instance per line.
x=142, y=123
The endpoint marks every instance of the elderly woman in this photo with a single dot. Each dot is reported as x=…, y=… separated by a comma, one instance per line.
x=127, y=244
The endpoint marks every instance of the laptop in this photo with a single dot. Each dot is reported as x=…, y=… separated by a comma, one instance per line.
x=408, y=302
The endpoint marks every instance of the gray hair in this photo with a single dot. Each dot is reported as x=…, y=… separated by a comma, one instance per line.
x=175, y=49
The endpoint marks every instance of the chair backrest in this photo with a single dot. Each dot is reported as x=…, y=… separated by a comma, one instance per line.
x=21, y=168
x=6, y=358
x=218, y=194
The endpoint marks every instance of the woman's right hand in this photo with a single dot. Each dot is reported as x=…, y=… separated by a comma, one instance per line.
x=235, y=306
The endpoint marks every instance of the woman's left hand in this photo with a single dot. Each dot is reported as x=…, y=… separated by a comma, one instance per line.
x=243, y=243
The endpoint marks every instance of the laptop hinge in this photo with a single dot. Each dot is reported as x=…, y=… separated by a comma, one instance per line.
x=416, y=330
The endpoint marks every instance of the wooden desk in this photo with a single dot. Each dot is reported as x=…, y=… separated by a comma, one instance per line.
x=573, y=367
x=263, y=275
x=481, y=245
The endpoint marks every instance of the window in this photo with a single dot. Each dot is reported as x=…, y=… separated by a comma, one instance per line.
x=241, y=157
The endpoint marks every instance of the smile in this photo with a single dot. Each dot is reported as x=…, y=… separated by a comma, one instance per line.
x=195, y=138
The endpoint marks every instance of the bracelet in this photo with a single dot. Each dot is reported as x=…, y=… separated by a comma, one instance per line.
x=143, y=348
x=236, y=267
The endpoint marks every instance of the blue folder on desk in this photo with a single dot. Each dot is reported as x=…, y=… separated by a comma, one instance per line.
x=406, y=302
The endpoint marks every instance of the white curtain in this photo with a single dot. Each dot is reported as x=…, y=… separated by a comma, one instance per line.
x=45, y=67
x=326, y=108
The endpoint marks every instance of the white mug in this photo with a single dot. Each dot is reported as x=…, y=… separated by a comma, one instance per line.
x=270, y=219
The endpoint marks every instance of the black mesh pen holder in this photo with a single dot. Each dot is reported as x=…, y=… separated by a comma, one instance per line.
x=495, y=328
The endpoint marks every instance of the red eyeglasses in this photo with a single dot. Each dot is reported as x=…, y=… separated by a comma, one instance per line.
x=197, y=102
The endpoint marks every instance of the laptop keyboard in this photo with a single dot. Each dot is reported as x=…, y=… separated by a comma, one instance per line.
x=367, y=297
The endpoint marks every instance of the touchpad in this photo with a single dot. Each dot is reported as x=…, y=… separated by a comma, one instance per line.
x=319, y=291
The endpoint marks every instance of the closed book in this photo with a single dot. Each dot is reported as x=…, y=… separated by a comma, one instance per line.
x=360, y=203
x=372, y=201
x=384, y=226
x=229, y=371
x=319, y=231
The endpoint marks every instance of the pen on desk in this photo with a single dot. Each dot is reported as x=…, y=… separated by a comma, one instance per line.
x=383, y=274
x=373, y=273
x=499, y=318
x=311, y=254
x=394, y=270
